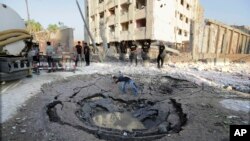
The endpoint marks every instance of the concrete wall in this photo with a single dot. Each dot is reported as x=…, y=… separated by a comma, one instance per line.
x=222, y=39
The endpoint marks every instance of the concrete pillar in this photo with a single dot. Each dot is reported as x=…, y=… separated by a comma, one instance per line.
x=149, y=18
x=238, y=47
x=230, y=42
x=244, y=44
x=225, y=42
x=247, y=45
x=192, y=39
x=217, y=42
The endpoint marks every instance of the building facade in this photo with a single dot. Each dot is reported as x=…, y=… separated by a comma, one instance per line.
x=127, y=20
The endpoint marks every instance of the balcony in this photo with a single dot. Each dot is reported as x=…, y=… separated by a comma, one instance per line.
x=124, y=35
x=123, y=1
x=112, y=37
x=111, y=20
x=124, y=17
x=140, y=13
x=110, y=3
x=140, y=33
x=101, y=7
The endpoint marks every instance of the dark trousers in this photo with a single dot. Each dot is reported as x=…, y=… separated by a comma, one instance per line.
x=160, y=60
x=122, y=56
x=144, y=56
x=87, y=59
x=50, y=61
x=132, y=57
x=76, y=59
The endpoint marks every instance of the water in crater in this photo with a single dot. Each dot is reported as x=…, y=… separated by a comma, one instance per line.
x=117, y=120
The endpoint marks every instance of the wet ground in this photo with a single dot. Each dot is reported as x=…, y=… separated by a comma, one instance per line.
x=91, y=107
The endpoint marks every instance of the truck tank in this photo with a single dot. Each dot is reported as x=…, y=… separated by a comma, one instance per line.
x=14, y=45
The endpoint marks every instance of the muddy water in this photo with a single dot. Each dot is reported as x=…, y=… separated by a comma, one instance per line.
x=116, y=120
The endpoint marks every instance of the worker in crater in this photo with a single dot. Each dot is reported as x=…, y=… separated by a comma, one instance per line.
x=126, y=80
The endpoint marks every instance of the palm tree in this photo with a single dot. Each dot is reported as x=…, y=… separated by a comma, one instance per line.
x=53, y=28
x=33, y=27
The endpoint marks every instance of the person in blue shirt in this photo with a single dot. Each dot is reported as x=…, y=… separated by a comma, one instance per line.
x=126, y=80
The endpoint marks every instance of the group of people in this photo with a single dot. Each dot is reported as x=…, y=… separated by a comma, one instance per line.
x=80, y=51
x=145, y=46
x=84, y=52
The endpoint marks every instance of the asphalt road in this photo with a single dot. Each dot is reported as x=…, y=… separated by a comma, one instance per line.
x=9, y=85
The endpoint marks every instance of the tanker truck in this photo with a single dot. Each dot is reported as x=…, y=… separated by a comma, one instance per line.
x=15, y=43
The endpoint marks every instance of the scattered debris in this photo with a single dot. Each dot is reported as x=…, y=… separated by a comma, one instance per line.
x=23, y=131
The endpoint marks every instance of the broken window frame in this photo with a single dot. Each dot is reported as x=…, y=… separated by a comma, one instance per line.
x=101, y=15
x=179, y=31
x=143, y=22
x=92, y=18
x=187, y=20
x=188, y=7
x=185, y=33
x=181, y=16
x=101, y=1
x=112, y=28
x=126, y=25
x=182, y=2
x=111, y=11
x=124, y=8
x=140, y=4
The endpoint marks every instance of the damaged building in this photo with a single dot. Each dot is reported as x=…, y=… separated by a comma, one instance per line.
x=142, y=20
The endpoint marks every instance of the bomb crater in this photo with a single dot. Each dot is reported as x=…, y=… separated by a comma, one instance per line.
x=112, y=117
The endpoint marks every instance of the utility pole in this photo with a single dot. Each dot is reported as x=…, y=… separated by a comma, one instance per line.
x=87, y=28
x=27, y=7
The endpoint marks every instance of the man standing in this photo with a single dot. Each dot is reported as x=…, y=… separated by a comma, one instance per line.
x=126, y=81
x=133, y=53
x=79, y=52
x=87, y=54
x=49, y=53
x=123, y=50
x=161, y=55
x=145, y=51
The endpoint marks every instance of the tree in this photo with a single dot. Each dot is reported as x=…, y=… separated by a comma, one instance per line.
x=33, y=27
x=53, y=28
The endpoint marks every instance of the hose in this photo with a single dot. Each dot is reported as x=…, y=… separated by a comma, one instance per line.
x=13, y=35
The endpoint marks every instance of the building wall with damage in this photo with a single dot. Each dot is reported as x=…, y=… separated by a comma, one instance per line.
x=166, y=20
x=219, y=38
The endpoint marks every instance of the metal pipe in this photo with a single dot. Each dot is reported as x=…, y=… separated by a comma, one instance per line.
x=86, y=26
